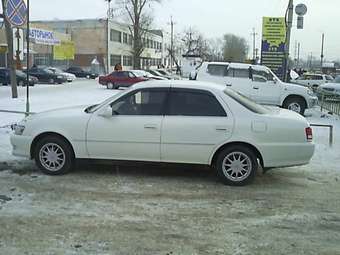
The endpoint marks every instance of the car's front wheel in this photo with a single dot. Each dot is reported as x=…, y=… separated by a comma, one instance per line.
x=295, y=104
x=236, y=165
x=54, y=156
x=21, y=84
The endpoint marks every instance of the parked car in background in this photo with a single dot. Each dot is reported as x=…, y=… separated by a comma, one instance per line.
x=169, y=122
x=313, y=80
x=80, y=73
x=5, y=78
x=332, y=88
x=120, y=79
x=156, y=73
x=168, y=74
x=45, y=75
x=69, y=76
x=258, y=83
x=145, y=74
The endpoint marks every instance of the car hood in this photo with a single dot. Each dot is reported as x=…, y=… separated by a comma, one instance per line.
x=295, y=87
x=331, y=85
x=65, y=112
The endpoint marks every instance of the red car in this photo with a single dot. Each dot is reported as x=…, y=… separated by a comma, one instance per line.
x=120, y=79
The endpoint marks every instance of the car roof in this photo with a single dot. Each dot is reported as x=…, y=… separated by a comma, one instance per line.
x=239, y=65
x=180, y=84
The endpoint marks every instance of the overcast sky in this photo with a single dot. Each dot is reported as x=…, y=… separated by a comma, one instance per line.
x=217, y=17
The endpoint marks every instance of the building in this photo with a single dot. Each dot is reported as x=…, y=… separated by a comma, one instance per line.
x=108, y=42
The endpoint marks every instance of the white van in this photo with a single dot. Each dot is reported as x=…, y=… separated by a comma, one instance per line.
x=258, y=83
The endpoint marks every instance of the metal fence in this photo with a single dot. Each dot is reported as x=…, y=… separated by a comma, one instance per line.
x=330, y=103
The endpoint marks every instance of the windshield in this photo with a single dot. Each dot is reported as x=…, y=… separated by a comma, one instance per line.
x=48, y=71
x=56, y=70
x=163, y=72
x=94, y=108
x=246, y=102
x=139, y=73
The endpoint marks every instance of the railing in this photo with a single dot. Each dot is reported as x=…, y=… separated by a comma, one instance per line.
x=330, y=103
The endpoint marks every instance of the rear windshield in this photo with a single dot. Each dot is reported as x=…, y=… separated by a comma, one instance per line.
x=246, y=102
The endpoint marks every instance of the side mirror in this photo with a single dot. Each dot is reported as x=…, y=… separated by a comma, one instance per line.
x=275, y=80
x=106, y=113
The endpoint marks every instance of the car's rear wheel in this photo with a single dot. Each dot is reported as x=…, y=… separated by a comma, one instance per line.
x=295, y=104
x=54, y=156
x=236, y=165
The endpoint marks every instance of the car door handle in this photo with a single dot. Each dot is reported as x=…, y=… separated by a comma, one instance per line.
x=150, y=126
x=229, y=85
x=221, y=128
x=255, y=87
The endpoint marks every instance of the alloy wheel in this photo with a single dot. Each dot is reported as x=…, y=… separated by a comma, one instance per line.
x=52, y=157
x=237, y=166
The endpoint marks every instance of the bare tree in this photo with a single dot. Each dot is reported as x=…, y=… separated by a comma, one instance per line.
x=235, y=48
x=10, y=59
x=194, y=42
x=140, y=21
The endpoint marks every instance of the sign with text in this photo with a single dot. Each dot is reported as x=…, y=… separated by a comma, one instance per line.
x=64, y=51
x=273, y=44
x=45, y=37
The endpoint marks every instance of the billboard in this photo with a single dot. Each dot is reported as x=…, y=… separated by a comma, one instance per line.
x=41, y=36
x=273, y=44
x=64, y=51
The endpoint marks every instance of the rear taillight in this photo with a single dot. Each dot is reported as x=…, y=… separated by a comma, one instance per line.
x=309, y=134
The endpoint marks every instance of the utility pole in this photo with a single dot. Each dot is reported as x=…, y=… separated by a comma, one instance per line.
x=10, y=52
x=28, y=57
x=172, y=43
x=108, y=36
x=298, y=56
x=322, y=46
x=289, y=24
x=254, y=34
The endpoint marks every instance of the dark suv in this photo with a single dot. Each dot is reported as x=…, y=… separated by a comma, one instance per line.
x=80, y=73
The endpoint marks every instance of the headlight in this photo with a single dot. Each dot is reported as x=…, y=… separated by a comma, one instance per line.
x=18, y=129
x=310, y=92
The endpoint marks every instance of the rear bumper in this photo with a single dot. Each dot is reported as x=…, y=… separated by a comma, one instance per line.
x=21, y=145
x=286, y=155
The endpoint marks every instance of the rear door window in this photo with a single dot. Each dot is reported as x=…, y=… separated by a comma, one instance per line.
x=217, y=70
x=187, y=102
x=238, y=73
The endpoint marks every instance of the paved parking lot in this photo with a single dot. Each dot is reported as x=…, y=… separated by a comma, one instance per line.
x=100, y=209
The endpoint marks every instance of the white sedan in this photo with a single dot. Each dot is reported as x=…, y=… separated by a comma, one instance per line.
x=169, y=122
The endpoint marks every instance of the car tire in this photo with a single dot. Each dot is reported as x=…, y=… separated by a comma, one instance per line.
x=230, y=169
x=296, y=104
x=110, y=85
x=54, y=156
x=21, y=84
x=88, y=77
x=52, y=81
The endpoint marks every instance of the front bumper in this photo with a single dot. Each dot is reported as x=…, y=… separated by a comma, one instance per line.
x=312, y=101
x=21, y=145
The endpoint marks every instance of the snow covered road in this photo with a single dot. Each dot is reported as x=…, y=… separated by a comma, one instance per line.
x=153, y=210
